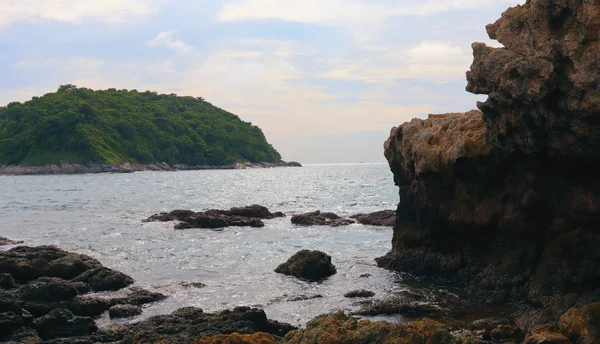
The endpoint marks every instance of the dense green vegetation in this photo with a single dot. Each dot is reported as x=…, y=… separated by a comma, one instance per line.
x=80, y=125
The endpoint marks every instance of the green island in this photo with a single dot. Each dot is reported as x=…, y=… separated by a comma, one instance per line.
x=82, y=126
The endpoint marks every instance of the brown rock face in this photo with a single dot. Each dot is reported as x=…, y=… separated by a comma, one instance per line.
x=507, y=199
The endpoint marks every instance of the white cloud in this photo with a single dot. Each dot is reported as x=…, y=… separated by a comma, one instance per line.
x=337, y=12
x=12, y=11
x=167, y=39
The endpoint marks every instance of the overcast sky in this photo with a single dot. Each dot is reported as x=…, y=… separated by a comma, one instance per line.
x=326, y=80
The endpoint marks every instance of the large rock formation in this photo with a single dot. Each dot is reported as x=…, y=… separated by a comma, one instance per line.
x=507, y=199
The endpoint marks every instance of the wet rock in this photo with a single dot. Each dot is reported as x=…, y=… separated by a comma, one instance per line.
x=178, y=215
x=398, y=305
x=317, y=218
x=63, y=323
x=294, y=298
x=507, y=332
x=90, y=306
x=48, y=289
x=546, y=334
x=582, y=324
x=6, y=241
x=255, y=211
x=124, y=311
x=104, y=279
x=385, y=218
x=339, y=328
x=359, y=293
x=488, y=324
x=139, y=296
x=308, y=265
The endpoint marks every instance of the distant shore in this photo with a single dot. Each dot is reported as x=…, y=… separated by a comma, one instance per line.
x=67, y=168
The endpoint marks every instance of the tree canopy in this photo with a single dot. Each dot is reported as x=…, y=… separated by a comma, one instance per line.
x=80, y=125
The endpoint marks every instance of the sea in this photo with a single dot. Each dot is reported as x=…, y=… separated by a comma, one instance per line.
x=101, y=215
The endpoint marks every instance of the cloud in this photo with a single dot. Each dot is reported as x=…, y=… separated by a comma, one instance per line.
x=167, y=39
x=12, y=11
x=339, y=12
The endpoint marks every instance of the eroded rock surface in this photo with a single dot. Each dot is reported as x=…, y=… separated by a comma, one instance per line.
x=385, y=218
x=318, y=218
x=506, y=199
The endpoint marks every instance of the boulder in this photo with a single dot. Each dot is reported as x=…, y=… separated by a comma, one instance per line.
x=62, y=323
x=308, y=265
x=582, y=324
x=385, y=218
x=104, y=279
x=317, y=218
x=124, y=311
x=48, y=289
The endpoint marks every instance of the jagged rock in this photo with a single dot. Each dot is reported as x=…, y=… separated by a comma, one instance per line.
x=124, y=311
x=506, y=200
x=63, y=323
x=582, y=324
x=7, y=281
x=338, y=328
x=359, y=293
x=317, y=218
x=546, y=334
x=236, y=338
x=48, y=289
x=385, y=218
x=308, y=265
x=89, y=306
x=294, y=298
x=139, y=296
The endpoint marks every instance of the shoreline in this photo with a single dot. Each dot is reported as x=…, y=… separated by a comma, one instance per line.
x=68, y=168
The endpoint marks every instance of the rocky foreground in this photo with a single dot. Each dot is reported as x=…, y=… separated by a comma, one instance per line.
x=506, y=200
x=68, y=168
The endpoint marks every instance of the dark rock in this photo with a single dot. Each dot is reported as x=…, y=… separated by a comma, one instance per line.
x=63, y=323
x=385, y=218
x=104, y=279
x=359, y=293
x=90, y=306
x=248, y=216
x=48, y=289
x=124, y=311
x=7, y=281
x=308, y=265
x=178, y=215
x=294, y=298
x=139, y=296
x=9, y=321
x=507, y=332
x=255, y=211
x=506, y=200
x=6, y=241
x=316, y=218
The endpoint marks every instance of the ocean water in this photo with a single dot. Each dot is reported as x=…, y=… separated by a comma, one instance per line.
x=101, y=215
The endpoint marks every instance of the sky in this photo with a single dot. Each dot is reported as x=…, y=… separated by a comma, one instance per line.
x=325, y=80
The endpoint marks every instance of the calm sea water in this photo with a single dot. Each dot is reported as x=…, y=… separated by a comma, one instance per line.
x=101, y=215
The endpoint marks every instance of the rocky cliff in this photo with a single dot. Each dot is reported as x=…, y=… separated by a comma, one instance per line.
x=507, y=199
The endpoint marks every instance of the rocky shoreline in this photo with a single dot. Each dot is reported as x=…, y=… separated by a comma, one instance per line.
x=67, y=168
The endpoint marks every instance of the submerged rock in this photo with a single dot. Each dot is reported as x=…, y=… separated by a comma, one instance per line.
x=385, y=218
x=317, y=218
x=308, y=265
x=506, y=200
x=6, y=241
x=249, y=216
x=399, y=305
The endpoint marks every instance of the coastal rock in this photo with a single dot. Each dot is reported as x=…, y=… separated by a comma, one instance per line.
x=308, y=265
x=249, y=216
x=6, y=241
x=236, y=338
x=546, y=334
x=62, y=323
x=317, y=218
x=398, y=305
x=339, y=328
x=104, y=279
x=506, y=199
x=124, y=311
x=359, y=293
x=385, y=218
x=581, y=324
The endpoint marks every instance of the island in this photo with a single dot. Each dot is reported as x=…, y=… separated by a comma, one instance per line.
x=78, y=129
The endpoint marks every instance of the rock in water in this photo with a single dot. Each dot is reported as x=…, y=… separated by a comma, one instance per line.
x=318, y=218
x=385, y=218
x=124, y=311
x=507, y=199
x=308, y=265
